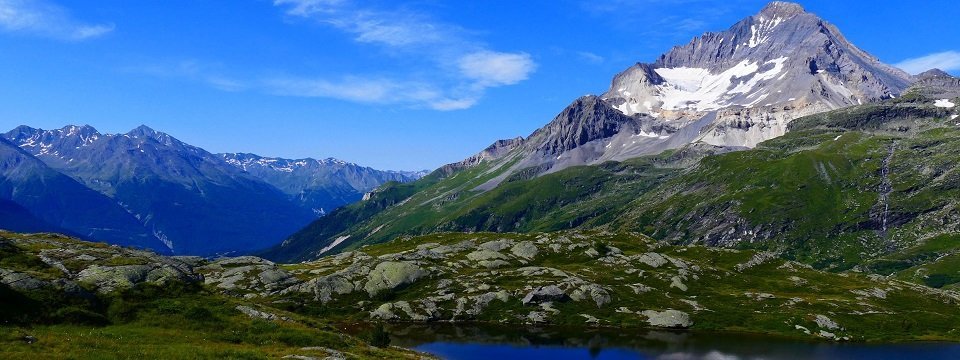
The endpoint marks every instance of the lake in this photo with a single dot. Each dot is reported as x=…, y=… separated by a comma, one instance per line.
x=479, y=341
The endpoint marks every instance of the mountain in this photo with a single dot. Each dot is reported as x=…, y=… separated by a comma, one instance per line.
x=732, y=89
x=320, y=185
x=36, y=197
x=188, y=198
x=722, y=92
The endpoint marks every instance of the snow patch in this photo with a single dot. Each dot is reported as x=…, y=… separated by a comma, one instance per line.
x=334, y=244
x=760, y=32
x=944, y=103
x=698, y=89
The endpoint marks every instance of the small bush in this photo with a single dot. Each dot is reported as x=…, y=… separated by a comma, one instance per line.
x=601, y=248
x=379, y=337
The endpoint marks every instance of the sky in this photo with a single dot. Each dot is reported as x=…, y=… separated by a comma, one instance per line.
x=387, y=84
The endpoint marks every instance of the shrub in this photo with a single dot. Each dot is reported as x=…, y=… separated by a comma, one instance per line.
x=379, y=337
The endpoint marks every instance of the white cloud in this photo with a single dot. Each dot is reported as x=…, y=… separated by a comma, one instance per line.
x=451, y=71
x=41, y=18
x=491, y=68
x=369, y=91
x=946, y=61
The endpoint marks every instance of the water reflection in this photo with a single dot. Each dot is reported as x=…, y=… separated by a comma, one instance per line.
x=483, y=341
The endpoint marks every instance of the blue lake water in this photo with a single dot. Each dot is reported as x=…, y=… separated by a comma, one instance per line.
x=469, y=342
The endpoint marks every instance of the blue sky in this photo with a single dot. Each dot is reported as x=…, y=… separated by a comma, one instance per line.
x=392, y=85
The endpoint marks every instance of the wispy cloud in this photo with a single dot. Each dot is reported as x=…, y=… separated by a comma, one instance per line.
x=193, y=70
x=459, y=70
x=369, y=91
x=946, y=61
x=590, y=57
x=41, y=18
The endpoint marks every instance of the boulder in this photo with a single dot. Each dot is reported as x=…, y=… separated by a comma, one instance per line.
x=21, y=281
x=107, y=279
x=481, y=255
x=668, y=319
x=544, y=294
x=324, y=288
x=826, y=323
x=384, y=312
x=525, y=249
x=653, y=259
x=594, y=292
x=497, y=245
x=389, y=275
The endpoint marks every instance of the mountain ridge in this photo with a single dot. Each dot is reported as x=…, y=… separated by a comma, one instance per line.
x=188, y=200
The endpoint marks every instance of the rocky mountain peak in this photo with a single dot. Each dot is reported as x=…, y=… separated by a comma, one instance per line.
x=936, y=83
x=21, y=133
x=781, y=9
x=73, y=136
x=933, y=74
x=143, y=131
x=587, y=119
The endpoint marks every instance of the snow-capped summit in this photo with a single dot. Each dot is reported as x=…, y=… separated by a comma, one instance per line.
x=765, y=71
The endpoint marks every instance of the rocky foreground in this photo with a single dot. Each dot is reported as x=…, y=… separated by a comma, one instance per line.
x=65, y=298
x=567, y=278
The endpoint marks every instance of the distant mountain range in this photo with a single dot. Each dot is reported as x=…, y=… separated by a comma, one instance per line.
x=320, y=185
x=147, y=189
